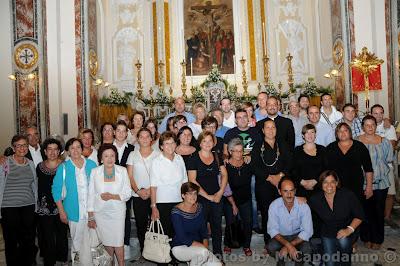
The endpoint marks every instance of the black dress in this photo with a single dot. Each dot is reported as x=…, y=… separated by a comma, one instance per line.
x=267, y=161
x=239, y=179
x=53, y=233
x=351, y=166
x=307, y=167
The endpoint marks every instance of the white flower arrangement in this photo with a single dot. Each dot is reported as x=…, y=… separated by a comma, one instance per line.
x=117, y=98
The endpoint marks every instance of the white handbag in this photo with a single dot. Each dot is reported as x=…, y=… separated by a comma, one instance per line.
x=156, y=245
x=100, y=256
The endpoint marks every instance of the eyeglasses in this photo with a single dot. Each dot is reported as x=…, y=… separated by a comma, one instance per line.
x=19, y=146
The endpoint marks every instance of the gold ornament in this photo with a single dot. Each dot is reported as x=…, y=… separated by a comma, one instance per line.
x=338, y=52
x=26, y=56
x=93, y=63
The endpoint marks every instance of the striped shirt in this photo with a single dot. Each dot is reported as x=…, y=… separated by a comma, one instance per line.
x=18, y=188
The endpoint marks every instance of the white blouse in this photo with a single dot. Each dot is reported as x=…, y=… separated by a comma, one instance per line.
x=141, y=168
x=168, y=176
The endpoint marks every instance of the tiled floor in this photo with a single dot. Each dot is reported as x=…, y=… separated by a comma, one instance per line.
x=388, y=255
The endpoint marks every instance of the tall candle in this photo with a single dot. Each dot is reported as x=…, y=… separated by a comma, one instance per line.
x=234, y=67
x=191, y=70
x=264, y=38
x=184, y=45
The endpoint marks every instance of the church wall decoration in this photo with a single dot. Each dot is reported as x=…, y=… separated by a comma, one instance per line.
x=209, y=36
x=30, y=93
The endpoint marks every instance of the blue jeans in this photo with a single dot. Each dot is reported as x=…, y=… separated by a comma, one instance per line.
x=337, y=251
x=213, y=214
x=254, y=202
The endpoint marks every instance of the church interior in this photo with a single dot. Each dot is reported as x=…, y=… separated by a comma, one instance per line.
x=60, y=58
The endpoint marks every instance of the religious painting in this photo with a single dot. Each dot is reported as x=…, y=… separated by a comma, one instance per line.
x=209, y=36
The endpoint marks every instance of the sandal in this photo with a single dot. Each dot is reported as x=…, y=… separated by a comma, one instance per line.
x=248, y=252
x=227, y=250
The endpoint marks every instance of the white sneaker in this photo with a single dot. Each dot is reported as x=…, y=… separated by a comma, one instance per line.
x=127, y=252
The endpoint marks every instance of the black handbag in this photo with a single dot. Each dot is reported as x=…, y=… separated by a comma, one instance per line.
x=234, y=236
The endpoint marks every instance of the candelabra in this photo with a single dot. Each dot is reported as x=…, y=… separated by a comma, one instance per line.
x=244, y=77
x=161, y=76
x=183, y=83
x=290, y=72
x=139, y=80
x=266, y=69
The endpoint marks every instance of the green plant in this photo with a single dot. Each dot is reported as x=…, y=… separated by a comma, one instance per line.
x=197, y=95
x=322, y=90
x=214, y=77
x=271, y=90
x=117, y=98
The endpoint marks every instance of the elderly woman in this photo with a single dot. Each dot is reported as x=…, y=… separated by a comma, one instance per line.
x=204, y=170
x=272, y=160
x=350, y=159
x=341, y=213
x=138, y=165
x=86, y=135
x=69, y=190
x=167, y=174
x=53, y=231
x=239, y=178
x=381, y=152
x=199, y=111
x=18, y=199
x=109, y=189
x=190, y=242
x=186, y=144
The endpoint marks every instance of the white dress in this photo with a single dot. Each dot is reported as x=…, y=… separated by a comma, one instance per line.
x=109, y=215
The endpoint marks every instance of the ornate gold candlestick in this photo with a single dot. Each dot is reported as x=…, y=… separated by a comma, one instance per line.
x=367, y=63
x=290, y=72
x=244, y=77
x=161, y=76
x=139, y=80
x=170, y=91
x=183, y=77
x=280, y=87
x=259, y=86
x=266, y=69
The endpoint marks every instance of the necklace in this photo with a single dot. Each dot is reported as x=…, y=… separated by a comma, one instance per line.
x=107, y=176
x=276, y=158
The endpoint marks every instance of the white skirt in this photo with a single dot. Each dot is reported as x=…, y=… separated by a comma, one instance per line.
x=111, y=228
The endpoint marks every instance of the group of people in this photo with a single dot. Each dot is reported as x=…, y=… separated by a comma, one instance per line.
x=313, y=173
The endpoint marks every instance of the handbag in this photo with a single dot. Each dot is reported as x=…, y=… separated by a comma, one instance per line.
x=234, y=237
x=64, y=188
x=156, y=245
x=100, y=256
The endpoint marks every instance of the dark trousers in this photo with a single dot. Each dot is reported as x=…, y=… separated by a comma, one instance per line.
x=142, y=211
x=165, y=218
x=275, y=246
x=337, y=251
x=19, y=234
x=264, y=198
x=246, y=216
x=54, y=239
x=127, y=234
x=213, y=215
x=372, y=229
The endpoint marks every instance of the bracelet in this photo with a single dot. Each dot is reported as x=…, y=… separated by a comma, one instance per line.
x=136, y=191
x=351, y=228
x=90, y=219
x=152, y=205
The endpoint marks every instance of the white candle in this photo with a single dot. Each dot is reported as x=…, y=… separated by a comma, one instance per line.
x=191, y=70
x=234, y=67
x=170, y=71
x=184, y=44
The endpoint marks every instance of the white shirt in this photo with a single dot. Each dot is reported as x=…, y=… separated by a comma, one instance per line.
x=36, y=155
x=333, y=117
x=325, y=134
x=230, y=122
x=120, y=149
x=82, y=186
x=141, y=168
x=196, y=129
x=168, y=176
x=93, y=156
x=389, y=133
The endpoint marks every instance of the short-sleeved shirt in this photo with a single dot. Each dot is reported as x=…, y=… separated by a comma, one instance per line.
x=141, y=168
x=249, y=137
x=206, y=174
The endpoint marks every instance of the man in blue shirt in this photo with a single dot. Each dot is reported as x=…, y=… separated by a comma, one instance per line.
x=179, y=106
x=289, y=225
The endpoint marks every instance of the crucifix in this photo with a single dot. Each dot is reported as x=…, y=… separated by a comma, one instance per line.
x=207, y=11
x=26, y=55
